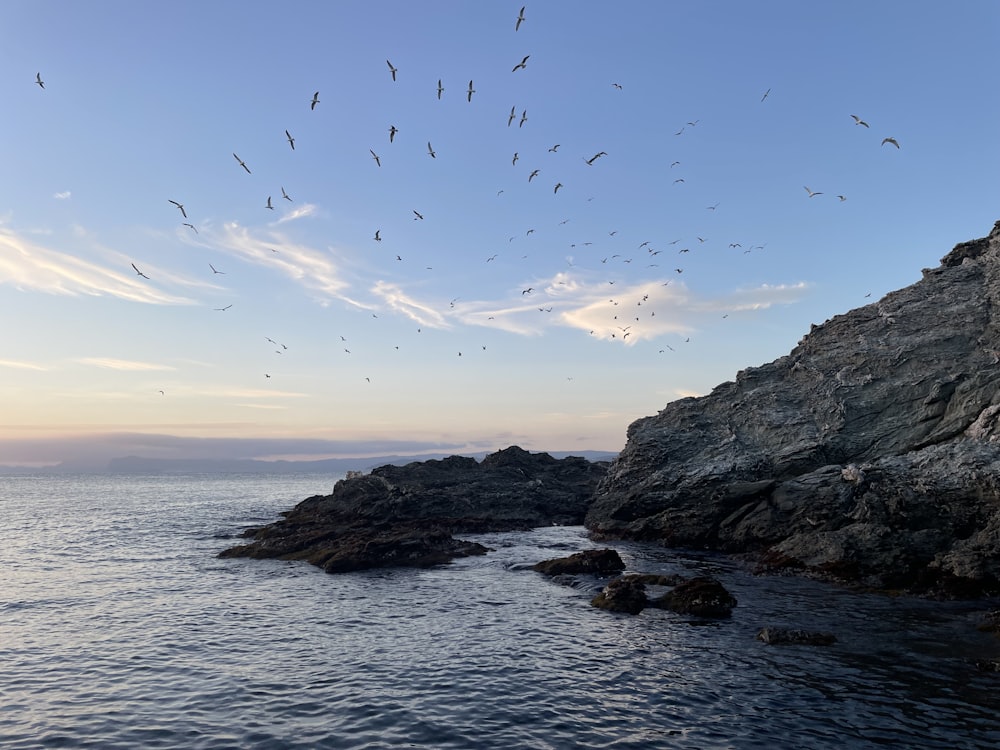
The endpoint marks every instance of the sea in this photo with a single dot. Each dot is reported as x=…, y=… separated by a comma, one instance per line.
x=121, y=628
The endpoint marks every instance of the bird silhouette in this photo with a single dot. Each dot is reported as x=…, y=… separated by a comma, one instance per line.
x=139, y=272
x=520, y=18
x=181, y=207
x=440, y=88
x=890, y=140
x=522, y=65
x=39, y=81
x=285, y=195
x=392, y=70
x=315, y=101
x=471, y=91
x=242, y=163
x=375, y=157
x=430, y=150
x=291, y=141
x=812, y=194
x=859, y=121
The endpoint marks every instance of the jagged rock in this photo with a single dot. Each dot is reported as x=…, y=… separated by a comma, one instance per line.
x=870, y=453
x=405, y=515
x=702, y=596
x=622, y=594
x=591, y=561
x=775, y=636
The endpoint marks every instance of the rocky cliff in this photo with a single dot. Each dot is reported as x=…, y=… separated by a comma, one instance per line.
x=869, y=453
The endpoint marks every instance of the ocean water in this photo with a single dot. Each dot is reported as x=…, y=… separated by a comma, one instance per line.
x=119, y=628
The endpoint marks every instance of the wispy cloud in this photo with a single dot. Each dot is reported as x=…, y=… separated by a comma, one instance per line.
x=313, y=269
x=21, y=365
x=299, y=212
x=62, y=196
x=29, y=266
x=400, y=301
x=122, y=364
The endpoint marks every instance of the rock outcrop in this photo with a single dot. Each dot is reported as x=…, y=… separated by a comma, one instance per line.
x=405, y=515
x=868, y=454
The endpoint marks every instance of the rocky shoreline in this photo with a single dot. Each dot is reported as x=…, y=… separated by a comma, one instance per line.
x=869, y=455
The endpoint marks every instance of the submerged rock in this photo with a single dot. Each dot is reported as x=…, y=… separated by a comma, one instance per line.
x=775, y=636
x=406, y=515
x=869, y=454
x=591, y=561
x=702, y=596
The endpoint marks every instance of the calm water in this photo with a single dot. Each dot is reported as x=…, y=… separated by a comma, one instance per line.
x=120, y=629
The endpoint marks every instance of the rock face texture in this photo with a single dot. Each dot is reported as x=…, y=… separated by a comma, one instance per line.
x=869, y=453
x=405, y=515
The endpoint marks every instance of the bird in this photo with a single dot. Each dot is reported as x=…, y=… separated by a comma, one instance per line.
x=315, y=101
x=378, y=235
x=242, y=163
x=440, y=88
x=269, y=203
x=617, y=86
x=285, y=195
x=890, y=140
x=811, y=193
x=513, y=114
x=192, y=227
x=524, y=118
x=223, y=309
x=859, y=121
x=521, y=64
x=533, y=174
x=392, y=132
x=215, y=270
x=430, y=150
x=471, y=91
x=417, y=215
x=765, y=95
x=514, y=160
x=520, y=18
x=529, y=290
x=842, y=198
x=39, y=81
x=375, y=157
x=180, y=206
x=291, y=141
x=595, y=157
x=139, y=272
x=392, y=70
x=554, y=148
x=558, y=185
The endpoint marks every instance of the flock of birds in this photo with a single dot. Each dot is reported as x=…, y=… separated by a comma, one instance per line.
x=621, y=324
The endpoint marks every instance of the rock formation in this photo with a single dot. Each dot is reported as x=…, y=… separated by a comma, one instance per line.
x=868, y=454
x=405, y=515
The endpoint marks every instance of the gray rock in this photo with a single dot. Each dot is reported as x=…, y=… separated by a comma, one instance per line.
x=870, y=453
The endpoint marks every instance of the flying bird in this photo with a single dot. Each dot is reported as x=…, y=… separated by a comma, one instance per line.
x=291, y=141
x=392, y=132
x=375, y=157
x=181, y=207
x=430, y=150
x=765, y=95
x=595, y=157
x=533, y=174
x=811, y=193
x=554, y=148
x=139, y=272
x=521, y=64
x=440, y=88
x=520, y=18
x=392, y=70
x=242, y=163
x=417, y=215
x=513, y=114
x=223, y=309
x=524, y=118
x=558, y=185
x=378, y=235
x=471, y=91
x=39, y=81
x=617, y=86
x=842, y=198
x=859, y=121
x=192, y=226
x=514, y=160
x=315, y=101
x=269, y=203
x=285, y=195
x=214, y=270
x=890, y=140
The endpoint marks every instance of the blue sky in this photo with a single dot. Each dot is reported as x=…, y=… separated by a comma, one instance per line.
x=689, y=249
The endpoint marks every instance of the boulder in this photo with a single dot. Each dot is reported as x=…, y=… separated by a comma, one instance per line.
x=623, y=594
x=869, y=454
x=591, y=561
x=702, y=596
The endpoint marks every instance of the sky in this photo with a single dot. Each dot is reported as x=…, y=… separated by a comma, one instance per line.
x=635, y=201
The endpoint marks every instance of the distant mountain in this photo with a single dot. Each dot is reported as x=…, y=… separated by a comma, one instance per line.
x=140, y=465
